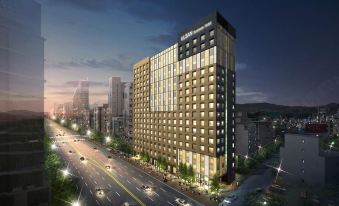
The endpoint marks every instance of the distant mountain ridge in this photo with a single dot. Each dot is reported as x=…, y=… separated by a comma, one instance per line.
x=19, y=115
x=282, y=110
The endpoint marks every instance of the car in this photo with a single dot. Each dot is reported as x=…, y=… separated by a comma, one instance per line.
x=181, y=202
x=109, y=157
x=75, y=140
x=108, y=167
x=146, y=188
x=228, y=200
x=99, y=192
x=126, y=204
x=82, y=159
x=70, y=151
x=259, y=190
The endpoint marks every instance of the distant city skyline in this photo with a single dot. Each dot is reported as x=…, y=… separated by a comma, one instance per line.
x=291, y=63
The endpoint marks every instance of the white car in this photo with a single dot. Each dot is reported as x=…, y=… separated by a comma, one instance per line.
x=146, y=188
x=228, y=200
x=181, y=202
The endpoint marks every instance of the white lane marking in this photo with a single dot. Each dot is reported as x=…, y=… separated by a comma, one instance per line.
x=120, y=175
x=157, y=194
x=95, y=182
x=150, y=198
x=97, y=202
x=118, y=194
x=102, y=177
x=129, y=182
x=150, y=182
x=140, y=175
x=109, y=185
x=163, y=190
x=91, y=192
x=170, y=203
x=82, y=177
x=108, y=199
x=134, y=178
x=97, y=173
x=138, y=189
x=86, y=183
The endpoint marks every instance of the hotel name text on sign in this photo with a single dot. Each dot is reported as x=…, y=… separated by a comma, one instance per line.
x=192, y=32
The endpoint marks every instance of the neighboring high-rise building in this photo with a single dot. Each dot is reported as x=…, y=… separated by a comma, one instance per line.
x=127, y=108
x=184, y=101
x=251, y=132
x=22, y=178
x=81, y=111
x=67, y=110
x=115, y=96
x=101, y=119
x=81, y=96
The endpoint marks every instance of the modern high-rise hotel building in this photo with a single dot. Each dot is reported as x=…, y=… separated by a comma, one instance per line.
x=184, y=99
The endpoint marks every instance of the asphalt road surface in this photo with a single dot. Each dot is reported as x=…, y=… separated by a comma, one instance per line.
x=120, y=184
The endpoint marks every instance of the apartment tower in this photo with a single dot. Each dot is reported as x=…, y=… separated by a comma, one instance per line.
x=184, y=101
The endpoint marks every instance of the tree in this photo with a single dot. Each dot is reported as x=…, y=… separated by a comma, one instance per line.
x=182, y=171
x=190, y=174
x=215, y=184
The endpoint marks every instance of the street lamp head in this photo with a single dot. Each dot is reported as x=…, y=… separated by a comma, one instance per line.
x=65, y=172
x=53, y=146
x=88, y=132
x=108, y=139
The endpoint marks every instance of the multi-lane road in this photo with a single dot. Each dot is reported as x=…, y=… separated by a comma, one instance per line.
x=119, y=184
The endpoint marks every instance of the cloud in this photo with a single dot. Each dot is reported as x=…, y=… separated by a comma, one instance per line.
x=247, y=96
x=162, y=39
x=90, y=5
x=72, y=84
x=121, y=62
x=241, y=66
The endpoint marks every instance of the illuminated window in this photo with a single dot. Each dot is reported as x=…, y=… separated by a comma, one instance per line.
x=202, y=148
x=194, y=49
x=194, y=41
x=211, y=96
x=202, y=71
x=211, y=69
x=211, y=41
x=187, y=45
x=202, y=46
x=212, y=32
x=211, y=105
x=202, y=89
x=202, y=37
x=211, y=123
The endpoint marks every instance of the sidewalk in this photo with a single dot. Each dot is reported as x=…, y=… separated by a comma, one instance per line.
x=173, y=182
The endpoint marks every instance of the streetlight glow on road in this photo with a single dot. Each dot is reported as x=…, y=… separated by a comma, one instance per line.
x=62, y=121
x=88, y=132
x=74, y=126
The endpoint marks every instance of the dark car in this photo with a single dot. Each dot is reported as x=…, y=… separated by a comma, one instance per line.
x=82, y=158
x=70, y=151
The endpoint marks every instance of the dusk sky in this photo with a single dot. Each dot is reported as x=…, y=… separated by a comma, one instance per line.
x=287, y=51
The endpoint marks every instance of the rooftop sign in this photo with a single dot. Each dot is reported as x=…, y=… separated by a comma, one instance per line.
x=192, y=32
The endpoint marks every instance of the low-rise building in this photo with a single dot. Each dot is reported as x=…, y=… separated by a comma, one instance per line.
x=305, y=161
